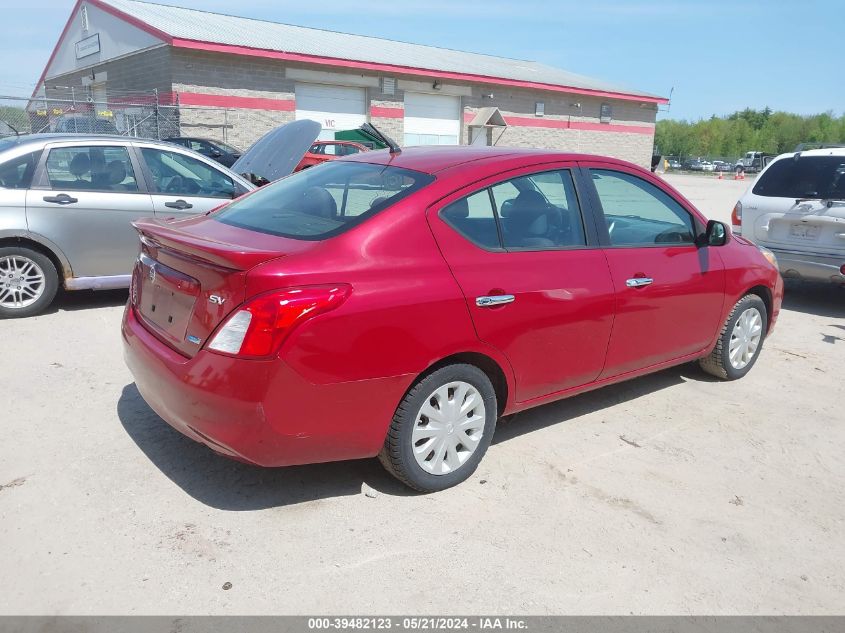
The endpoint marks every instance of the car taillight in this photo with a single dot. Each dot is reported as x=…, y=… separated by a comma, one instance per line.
x=736, y=214
x=257, y=328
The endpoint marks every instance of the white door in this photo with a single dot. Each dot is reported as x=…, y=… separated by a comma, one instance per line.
x=432, y=119
x=334, y=107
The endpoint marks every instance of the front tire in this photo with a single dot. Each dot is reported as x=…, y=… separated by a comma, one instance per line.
x=740, y=341
x=28, y=282
x=441, y=429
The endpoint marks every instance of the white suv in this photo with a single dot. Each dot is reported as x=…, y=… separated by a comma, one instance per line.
x=796, y=208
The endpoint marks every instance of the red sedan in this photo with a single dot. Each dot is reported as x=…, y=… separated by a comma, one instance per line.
x=398, y=304
x=323, y=151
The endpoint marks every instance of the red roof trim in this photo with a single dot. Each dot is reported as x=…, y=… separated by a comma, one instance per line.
x=56, y=47
x=408, y=70
x=131, y=19
x=108, y=9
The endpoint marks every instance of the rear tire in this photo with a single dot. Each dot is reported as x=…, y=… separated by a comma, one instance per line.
x=28, y=282
x=441, y=429
x=740, y=340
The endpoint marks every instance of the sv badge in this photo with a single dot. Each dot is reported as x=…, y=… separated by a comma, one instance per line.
x=216, y=299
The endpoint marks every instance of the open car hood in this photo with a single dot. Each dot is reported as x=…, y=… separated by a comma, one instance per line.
x=277, y=153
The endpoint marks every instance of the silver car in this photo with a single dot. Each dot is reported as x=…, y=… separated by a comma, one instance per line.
x=67, y=204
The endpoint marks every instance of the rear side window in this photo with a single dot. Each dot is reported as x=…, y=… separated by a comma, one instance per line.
x=803, y=177
x=533, y=212
x=91, y=169
x=16, y=173
x=315, y=204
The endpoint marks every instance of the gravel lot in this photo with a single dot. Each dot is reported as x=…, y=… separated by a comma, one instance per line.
x=670, y=494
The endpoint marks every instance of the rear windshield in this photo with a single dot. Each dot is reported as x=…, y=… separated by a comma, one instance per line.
x=804, y=177
x=323, y=201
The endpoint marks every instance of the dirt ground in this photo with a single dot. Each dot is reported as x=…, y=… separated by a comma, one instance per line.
x=670, y=494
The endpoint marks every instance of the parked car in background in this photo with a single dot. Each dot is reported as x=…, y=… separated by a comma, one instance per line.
x=707, y=166
x=82, y=124
x=720, y=165
x=674, y=164
x=694, y=164
x=323, y=151
x=219, y=151
x=753, y=162
x=396, y=304
x=67, y=203
x=796, y=208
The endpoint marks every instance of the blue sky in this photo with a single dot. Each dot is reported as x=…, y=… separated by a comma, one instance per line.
x=719, y=55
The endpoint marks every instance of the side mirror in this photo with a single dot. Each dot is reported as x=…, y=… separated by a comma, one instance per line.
x=716, y=234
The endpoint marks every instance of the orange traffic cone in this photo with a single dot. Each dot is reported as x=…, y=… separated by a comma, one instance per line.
x=720, y=175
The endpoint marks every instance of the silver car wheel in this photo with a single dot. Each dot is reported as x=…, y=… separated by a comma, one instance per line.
x=745, y=338
x=22, y=282
x=448, y=428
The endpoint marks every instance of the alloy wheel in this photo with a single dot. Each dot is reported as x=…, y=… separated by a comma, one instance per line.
x=22, y=282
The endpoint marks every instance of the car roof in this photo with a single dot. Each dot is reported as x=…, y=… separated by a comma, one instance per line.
x=826, y=151
x=43, y=139
x=435, y=158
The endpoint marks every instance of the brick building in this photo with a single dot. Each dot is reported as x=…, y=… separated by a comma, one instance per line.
x=234, y=78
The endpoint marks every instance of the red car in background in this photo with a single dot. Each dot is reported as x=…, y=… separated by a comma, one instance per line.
x=322, y=151
x=397, y=304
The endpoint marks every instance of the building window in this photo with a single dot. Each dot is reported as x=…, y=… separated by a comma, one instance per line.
x=540, y=108
x=606, y=113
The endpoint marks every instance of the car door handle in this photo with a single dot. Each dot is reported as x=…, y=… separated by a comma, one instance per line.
x=179, y=204
x=62, y=198
x=639, y=282
x=493, y=300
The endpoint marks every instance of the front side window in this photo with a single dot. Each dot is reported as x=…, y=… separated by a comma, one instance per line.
x=16, y=173
x=638, y=213
x=804, y=177
x=315, y=204
x=93, y=168
x=347, y=150
x=180, y=175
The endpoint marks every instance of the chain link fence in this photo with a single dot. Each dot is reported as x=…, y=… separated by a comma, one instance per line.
x=143, y=115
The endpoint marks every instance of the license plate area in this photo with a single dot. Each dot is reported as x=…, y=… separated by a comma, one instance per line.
x=166, y=299
x=804, y=231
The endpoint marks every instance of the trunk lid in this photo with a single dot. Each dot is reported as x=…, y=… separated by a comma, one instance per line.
x=191, y=274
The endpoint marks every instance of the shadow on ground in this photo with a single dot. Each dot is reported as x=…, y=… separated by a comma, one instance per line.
x=225, y=484
x=87, y=300
x=822, y=299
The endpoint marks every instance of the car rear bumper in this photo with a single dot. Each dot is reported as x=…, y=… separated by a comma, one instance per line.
x=797, y=265
x=261, y=412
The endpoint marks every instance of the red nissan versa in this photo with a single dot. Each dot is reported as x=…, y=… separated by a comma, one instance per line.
x=396, y=304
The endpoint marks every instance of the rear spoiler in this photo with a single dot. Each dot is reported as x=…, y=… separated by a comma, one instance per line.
x=157, y=234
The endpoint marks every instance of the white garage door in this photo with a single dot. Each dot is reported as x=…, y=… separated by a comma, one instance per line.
x=333, y=107
x=432, y=119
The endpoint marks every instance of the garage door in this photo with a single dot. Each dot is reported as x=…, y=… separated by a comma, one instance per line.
x=432, y=119
x=333, y=107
